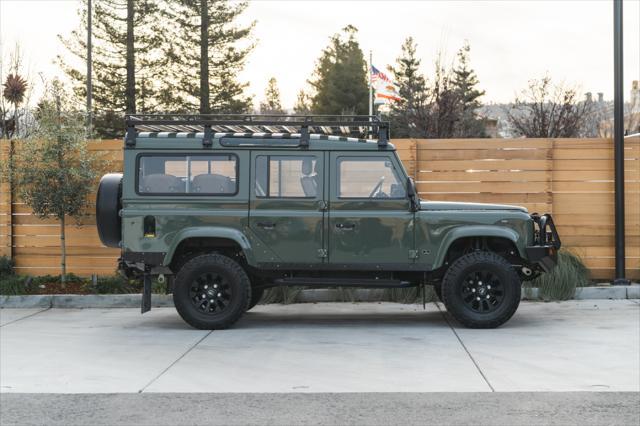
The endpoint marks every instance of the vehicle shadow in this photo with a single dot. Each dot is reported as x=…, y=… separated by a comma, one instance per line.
x=355, y=319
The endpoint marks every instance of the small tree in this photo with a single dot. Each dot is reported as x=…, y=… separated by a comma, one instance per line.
x=303, y=103
x=466, y=83
x=548, y=110
x=60, y=172
x=271, y=103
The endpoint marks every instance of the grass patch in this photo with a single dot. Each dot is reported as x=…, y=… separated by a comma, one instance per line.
x=561, y=282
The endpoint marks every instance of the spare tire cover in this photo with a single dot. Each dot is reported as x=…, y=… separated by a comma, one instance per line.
x=108, y=205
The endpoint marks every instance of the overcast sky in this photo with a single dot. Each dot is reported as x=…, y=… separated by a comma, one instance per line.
x=511, y=41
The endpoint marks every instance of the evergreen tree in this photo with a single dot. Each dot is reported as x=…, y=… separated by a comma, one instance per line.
x=340, y=77
x=205, y=57
x=271, y=104
x=465, y=82
x=303, y=103
x=127, y=37
x=408, y=115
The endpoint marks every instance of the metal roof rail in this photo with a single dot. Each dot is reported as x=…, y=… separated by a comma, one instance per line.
x=360, y=126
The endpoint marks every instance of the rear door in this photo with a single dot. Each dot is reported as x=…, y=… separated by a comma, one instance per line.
x=288, y=208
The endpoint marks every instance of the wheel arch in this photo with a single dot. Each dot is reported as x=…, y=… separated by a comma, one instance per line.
x=474, y=232
x=214, y=235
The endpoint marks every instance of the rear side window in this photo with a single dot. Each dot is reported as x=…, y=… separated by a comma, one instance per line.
x=279, y=176
x=188, y=174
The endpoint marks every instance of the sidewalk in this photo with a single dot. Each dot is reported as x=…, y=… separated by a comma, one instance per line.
x=326, y=347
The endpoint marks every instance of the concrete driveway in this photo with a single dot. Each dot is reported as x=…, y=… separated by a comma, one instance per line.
x=366, y=347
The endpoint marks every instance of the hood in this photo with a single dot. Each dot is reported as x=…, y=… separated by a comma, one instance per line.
x=450, y=205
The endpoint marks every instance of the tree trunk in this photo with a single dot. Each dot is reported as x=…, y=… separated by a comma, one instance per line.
x=130, y=92
x=63, y=251
x=204, y=57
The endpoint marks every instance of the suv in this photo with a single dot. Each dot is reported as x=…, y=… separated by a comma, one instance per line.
x=227, y=206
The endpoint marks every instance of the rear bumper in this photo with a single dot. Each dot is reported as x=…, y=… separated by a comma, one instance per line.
x=544, y=253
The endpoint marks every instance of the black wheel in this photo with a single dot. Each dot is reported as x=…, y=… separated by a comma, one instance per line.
x=481, y=290
x=256, y=295
x=211, y=292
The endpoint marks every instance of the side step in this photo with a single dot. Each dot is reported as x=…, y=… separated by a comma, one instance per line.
x=342, y=282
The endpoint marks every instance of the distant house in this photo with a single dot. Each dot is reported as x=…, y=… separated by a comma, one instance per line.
x=631, y=115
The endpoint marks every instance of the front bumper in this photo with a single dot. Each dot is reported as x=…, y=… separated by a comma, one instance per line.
x=543, y=255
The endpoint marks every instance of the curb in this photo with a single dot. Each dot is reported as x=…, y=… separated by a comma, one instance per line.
x=82, y=301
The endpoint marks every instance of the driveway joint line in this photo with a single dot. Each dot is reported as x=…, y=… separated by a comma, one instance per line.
x=175, y=362
x=28, y=316
x=465, y=348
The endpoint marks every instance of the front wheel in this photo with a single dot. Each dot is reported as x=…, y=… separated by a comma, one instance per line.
x=211, y=292
x=481, y=290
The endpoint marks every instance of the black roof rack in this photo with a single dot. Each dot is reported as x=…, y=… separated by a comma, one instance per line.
x=358, y=126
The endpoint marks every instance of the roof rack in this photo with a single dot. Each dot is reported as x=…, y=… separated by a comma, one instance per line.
x=359, y=126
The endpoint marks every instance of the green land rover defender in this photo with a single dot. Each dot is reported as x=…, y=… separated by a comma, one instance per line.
x=223, y=207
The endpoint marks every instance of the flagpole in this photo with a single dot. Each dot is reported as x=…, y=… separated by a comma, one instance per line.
x=370, y=85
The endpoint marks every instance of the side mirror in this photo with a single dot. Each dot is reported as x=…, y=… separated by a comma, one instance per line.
x=412, y=194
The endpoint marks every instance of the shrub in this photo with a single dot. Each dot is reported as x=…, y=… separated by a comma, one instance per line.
x=13, y=285
x=6, y=266
x=561, y=282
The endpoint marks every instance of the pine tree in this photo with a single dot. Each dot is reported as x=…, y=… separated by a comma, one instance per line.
x=271, y=104
x=303, y=103
x=205, y=57
x=465, y=83
x=409, y=114
x=340, y=77
x=127, y=37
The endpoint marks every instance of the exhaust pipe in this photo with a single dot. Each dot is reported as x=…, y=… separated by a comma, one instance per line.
x=527, y=271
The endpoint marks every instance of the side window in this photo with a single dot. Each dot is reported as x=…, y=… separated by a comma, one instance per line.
x=368, y=177
x=279, y=176
x=188, y=174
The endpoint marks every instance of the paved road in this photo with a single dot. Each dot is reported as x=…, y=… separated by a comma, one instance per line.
x=542, y=408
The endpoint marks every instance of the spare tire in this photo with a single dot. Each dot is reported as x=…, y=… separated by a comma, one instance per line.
x=108, y=205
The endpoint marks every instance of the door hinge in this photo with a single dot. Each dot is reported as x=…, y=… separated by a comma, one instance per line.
x=413, y=254
x=322, y=253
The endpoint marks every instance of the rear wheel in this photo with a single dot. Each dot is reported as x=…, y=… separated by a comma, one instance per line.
x=211, y=292
x=481, y=290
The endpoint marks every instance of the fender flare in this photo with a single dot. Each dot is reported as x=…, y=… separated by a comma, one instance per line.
x=475, y=231
x=210, y=232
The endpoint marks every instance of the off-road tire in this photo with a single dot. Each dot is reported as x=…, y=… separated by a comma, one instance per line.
x=454, y=286
x=256, y=295
x=235, y=278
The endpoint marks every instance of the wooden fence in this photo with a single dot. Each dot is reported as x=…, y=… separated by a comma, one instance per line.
x=570, y=178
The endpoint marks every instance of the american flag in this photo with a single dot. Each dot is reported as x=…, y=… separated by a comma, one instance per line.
x=378, y=76
x=386, y=89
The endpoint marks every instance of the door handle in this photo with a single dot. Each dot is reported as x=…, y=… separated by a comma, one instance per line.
x=346, y=226
x=266, y=225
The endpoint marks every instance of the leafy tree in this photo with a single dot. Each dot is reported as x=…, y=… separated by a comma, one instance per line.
x=465, y=82
x=61, y=172
x=126, y=58
x=548, y=110
x=206, y=49
x=303, y=103
x=340, y=77
x=409, y=114
x=271, y=104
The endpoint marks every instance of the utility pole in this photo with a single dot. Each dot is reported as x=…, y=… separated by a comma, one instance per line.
x=89, y=76
x=618, y=143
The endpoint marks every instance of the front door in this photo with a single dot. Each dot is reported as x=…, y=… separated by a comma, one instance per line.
x=288, y=208
x=370, y=222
